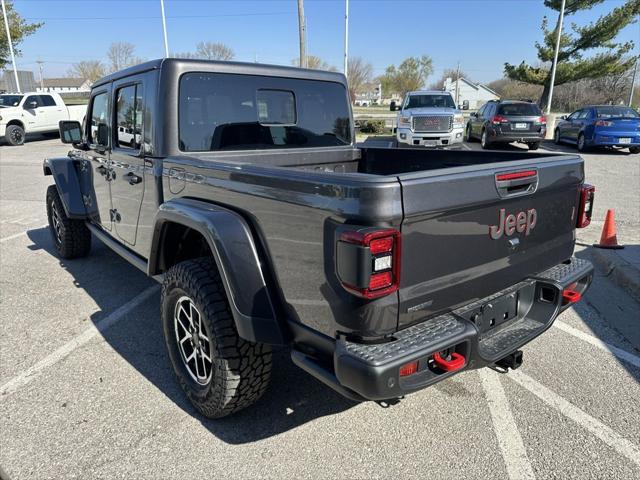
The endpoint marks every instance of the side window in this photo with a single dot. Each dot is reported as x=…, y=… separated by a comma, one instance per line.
x=482, y=109
x=488, y=113
x=128, y=131
x=47, y=101
x=583, y=114
x=30, y=99
x=99, y=128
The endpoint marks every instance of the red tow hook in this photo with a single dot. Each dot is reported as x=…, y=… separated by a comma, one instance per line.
x=456, y=363
x=571, y=296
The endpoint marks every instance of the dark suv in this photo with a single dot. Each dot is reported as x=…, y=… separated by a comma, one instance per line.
x=507, y=121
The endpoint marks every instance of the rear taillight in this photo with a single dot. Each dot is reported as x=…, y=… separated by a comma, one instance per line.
x=542, y=120
x=585, y=208
x=603, y=123
x=498, y=119
x=368, y=262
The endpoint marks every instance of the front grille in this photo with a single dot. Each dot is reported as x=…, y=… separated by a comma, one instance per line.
x=433, y=123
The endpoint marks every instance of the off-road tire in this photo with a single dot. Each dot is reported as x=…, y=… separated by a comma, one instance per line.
x=534, y=145
x=240, y=369
x=14, y=135
x=71, y=238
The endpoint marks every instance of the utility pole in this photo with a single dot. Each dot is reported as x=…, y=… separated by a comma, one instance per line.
x=346, y=37
x=40, y=62
x=555, y=57
x=458, y=85
x=164, y=30
x=13, y=57
x=633, y=81
x=303, y=34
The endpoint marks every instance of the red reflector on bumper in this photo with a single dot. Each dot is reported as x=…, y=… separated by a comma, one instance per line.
x=571, y=296
x=409, y=369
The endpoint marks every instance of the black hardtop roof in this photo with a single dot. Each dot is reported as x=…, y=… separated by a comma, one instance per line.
x=215, y=66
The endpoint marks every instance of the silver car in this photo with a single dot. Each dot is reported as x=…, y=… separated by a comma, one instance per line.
x=430, y=119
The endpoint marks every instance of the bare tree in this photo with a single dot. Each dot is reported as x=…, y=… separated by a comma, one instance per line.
x=359, y=74
x=451, y=73
x=214, y=51
x=90, y=70
x=314, y=62
x=122, y=55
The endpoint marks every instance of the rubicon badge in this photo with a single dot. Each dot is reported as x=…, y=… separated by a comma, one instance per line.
x=509, y=224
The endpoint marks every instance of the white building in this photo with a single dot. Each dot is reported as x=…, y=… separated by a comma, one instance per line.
x=60, y=85
x=471, y=95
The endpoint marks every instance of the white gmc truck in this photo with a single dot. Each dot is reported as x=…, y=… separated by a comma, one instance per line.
x=33, y=112
x=429, y=119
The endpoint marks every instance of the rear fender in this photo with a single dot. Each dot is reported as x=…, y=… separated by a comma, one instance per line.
x=230, y=240
x=65, y=175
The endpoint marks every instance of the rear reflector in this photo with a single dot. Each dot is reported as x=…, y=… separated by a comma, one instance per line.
x=380, y=280
x=409, y=369
x=585, y=207
x=501, y=177
x=571, y=296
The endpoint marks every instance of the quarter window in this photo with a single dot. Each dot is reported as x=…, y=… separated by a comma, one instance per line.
x=128, y=131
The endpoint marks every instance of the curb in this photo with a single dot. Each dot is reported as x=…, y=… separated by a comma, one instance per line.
x=623, y=273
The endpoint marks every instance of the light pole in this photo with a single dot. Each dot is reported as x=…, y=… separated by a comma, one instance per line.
x=633, y=81
x=40, y=62
x=302, y=29
x=555, y=57
x=13, y=58
x=346, y=37
x=164, y=30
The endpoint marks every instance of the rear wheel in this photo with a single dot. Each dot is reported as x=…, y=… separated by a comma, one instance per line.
x=582, y=143
x=484, y=140
x=534, y=145
x=219, y=372
x=14, y=135
x=71, y=238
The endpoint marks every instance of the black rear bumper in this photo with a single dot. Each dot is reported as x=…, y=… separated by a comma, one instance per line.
x=480, y=333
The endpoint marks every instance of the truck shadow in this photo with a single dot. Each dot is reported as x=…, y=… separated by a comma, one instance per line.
x=293, y=398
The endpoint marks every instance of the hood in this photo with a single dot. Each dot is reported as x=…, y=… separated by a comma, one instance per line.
x=431, y=111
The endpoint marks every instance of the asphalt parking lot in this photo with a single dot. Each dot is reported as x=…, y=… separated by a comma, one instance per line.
x=87, y=391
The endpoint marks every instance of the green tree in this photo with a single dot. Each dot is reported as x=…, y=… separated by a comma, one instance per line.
x=411, y=75
x=19, y=29
x=610, y=57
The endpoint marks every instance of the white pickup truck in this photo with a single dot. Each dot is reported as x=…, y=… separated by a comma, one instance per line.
x=33, y=112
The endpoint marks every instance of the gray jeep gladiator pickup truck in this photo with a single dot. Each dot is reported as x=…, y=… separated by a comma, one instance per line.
x=382, y=270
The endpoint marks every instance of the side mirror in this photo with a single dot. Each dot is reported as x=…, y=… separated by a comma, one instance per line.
x=563, y=117
x=70, y=131
x=392, y=106
x=474, y=114
x=31, y=105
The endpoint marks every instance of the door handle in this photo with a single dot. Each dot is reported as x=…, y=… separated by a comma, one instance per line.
x=132, y=178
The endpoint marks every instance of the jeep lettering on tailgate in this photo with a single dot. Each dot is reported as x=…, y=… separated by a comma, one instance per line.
x=520, y=222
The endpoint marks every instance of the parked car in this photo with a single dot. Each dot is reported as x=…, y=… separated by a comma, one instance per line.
x=430, y=119
x=506, y=121
x=33, y=112
x=383, y=270
x=600, y=126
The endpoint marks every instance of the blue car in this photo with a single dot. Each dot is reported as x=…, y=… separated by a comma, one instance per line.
x=600, y=126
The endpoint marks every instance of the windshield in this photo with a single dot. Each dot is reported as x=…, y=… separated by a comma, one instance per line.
x=519, y=109
x=430, y=101
x=612, y=111
x=10, y=100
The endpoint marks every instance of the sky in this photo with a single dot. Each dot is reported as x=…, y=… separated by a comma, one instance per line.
x=480, y=34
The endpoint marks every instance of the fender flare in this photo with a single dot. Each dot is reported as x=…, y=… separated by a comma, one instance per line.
x=65, y=175
x=231, y=242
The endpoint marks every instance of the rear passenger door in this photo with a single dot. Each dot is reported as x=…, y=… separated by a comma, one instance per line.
x=127, y=157
x=53, y=112
x=476, y=122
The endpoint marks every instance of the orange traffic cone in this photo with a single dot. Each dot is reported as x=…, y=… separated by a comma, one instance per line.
x=608, y=238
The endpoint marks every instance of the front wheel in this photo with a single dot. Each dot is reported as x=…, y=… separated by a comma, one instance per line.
x=219, y=372
x=634, y=149
x=71, y=238
x=467, y=135
x=14, y=134
x=534, y=145
x=556, y=136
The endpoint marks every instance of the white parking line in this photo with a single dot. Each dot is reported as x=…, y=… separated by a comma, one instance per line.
x=596, y=342
x=34, y=371
x=599, y=429
x=509, y=439
x=21, y=234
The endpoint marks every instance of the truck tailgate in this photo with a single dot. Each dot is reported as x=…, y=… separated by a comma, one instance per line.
x=468, y=233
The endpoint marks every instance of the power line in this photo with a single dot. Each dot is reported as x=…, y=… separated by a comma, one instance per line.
x=48, y=19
